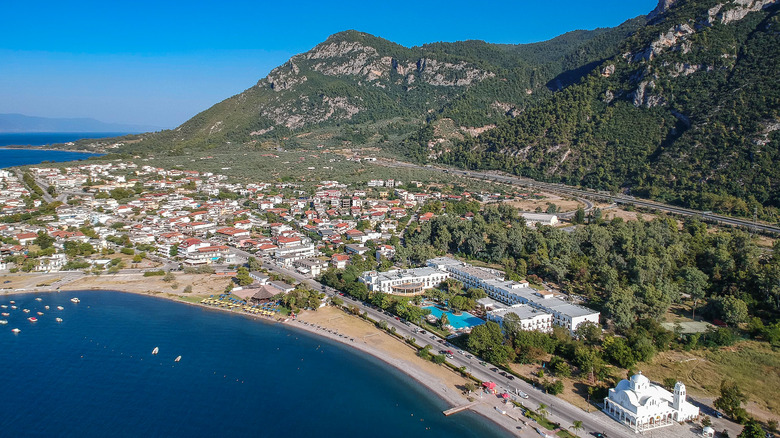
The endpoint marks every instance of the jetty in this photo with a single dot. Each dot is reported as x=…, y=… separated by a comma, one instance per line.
x=460, y=408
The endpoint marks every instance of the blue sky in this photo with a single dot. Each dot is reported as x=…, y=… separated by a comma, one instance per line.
x=161, y=62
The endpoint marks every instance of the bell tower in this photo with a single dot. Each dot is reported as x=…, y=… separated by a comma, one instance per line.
x=679, y=395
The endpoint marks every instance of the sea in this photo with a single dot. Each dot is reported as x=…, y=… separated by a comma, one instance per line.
x=94, y=374
x=21, y=157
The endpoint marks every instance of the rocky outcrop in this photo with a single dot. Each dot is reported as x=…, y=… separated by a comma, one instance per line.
x=663, y=6
x=283, y=77
x=304, y=111
x=743, y=7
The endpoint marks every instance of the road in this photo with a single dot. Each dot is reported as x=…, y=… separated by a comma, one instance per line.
x=560, y=411
x=581, y=193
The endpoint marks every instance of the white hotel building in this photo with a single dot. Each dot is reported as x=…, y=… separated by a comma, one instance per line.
x=403, y=281
x=563, y=313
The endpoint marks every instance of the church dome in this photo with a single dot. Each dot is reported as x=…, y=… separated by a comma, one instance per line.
x=639, y=381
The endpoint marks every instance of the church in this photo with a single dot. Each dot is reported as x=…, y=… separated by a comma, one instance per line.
x=641, y=405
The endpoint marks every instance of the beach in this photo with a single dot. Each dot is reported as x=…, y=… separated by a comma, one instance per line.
x=327, y=322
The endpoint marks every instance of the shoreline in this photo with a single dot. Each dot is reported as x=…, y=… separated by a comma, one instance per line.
x=432, y=383
x=44, y=148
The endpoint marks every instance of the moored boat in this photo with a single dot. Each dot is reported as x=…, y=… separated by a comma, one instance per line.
x=60, y=308
x=46, y=307
x=39, y=299
x=178, y=358
x=16, y=330
x=58, y=319
x=26, y=310
x=3, y=322
x=75, y=300
x=156, y=350
x=40, y=313
x=6, y=314
x=32, y=319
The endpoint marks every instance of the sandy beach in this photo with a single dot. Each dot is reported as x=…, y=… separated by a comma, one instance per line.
x=328, y=322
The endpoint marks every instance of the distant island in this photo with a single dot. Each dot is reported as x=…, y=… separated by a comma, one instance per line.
x=19, y=123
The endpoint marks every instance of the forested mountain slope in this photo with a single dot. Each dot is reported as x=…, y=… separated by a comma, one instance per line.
x=355, y=78
x=686, y=112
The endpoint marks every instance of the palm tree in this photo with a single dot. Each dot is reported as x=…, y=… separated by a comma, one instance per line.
x=576, y=426
x=542, y=410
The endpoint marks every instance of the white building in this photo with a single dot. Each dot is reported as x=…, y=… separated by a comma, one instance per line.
x=641, y=405
x=403, y=281
x=532, y=219
x=530, y=318
x=564, y=314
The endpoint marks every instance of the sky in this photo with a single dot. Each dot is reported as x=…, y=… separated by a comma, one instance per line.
x=161, y=62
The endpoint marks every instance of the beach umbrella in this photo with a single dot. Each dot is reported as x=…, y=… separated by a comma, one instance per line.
x=505, y=395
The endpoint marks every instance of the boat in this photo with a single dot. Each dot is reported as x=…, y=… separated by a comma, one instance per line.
x=178, y=358
x=40, y=313
x=26, y=310
x=39, y=299
x=60, y=308
x=14, y=307
x=4, y=322
x=6, y=314
x=156, y=350
x=58, y=319
x=4, y=306
x=16, y=330
x=46, y=307
x=75, y=300
x=13, y=302
x=32, y=319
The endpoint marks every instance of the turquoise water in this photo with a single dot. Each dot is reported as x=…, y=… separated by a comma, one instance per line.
x=94, y=375
x=465, y=319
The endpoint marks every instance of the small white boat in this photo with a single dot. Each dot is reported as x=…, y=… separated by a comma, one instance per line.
x=60, y=308
x=75, y=300
x=38, y=299
x=14, y=307
x=46, y=307
x=4, y=322
x=13, y=302
x=58, y=319
x=26, y=310
x=156, y=350
x=40, y=313
x=6, y=314
x=16, y=330
x=178, y=358
x=4, y=306
x=32, y=319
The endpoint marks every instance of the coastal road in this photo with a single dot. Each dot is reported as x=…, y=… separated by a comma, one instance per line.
x=592, y=194
x=560, y=411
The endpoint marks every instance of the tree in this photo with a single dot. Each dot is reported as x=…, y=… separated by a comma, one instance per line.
x=731, y=398
x=542, y=410
x=174, y=251
x=579, y=216
x=486, y=340
x=732, y=309
x=469, y=387
x=169, y=277
x=254, y=264
x=444, y=320
x=706, y=421
x=752, y=430
x=695, y=283
x=576, y=426
x=243, y=278
x=44, y=240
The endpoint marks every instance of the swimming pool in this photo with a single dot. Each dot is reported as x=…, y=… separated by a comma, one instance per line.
x=464, y=320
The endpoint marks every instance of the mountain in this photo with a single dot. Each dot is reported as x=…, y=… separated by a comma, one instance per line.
x=685, y=112
x=355, y=78
x=680, y=105
x=18, y=123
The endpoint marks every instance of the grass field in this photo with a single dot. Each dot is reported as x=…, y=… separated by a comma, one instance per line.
x=752, y=365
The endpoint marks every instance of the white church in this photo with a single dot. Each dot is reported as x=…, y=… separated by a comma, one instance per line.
x=641, y=405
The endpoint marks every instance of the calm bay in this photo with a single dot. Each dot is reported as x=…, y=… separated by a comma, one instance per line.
x=94, y=373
